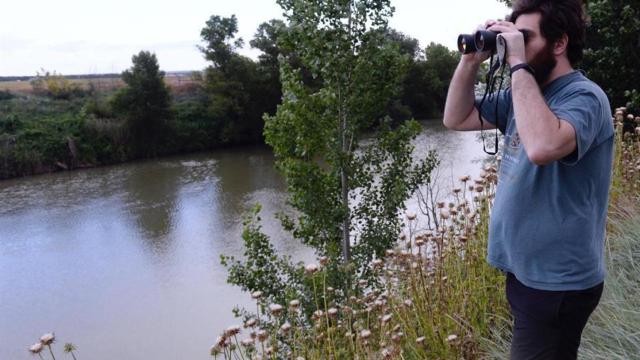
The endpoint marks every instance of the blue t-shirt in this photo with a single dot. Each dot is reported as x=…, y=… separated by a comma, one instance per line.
x=548, y=222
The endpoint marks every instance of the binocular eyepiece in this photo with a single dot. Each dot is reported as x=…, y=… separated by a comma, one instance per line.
x=482, y=40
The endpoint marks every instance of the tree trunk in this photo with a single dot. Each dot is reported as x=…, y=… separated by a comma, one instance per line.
x=345, y=150
x=346, y=242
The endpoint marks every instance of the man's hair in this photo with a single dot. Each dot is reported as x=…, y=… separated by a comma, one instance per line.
x=558, y=17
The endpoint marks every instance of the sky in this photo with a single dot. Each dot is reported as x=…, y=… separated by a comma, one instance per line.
x=94, y=37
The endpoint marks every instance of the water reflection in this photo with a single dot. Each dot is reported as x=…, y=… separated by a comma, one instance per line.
x=150, y=198
x=459, y=153
x=241, y=175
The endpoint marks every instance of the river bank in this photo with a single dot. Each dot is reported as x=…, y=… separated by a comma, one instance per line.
x=43, y=135
x=40, y=135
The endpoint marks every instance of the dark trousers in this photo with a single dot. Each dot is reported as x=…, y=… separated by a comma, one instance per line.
x=548, y=324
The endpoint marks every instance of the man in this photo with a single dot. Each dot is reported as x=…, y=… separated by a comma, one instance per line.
x=547, y=225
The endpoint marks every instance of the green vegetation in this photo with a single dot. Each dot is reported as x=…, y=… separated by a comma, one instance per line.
x=348, y=171
x=236, y=96
x=613, y=35
x=428, y=76
x=605, y=338
x=6, y=95
x=437, y=296
x=439, y=299
x=55, y=86
x=62, y=123
x=40, y=134
x=144, y=104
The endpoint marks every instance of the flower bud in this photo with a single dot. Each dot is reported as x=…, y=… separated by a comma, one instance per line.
x=311, y=269
x=275, y=309
x=47, y=339
x=36, y=348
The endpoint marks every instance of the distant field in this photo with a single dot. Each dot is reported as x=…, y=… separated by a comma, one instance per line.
x=175, y=81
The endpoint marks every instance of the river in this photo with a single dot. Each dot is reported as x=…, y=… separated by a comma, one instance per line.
x=124, y=260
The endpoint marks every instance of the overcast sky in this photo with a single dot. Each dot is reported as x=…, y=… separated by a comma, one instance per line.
x=90, y=36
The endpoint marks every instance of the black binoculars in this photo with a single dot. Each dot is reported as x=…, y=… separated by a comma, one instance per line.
x=482, y=40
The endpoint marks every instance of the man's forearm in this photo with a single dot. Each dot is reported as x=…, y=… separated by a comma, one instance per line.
x=541, y=132
x=461, y=95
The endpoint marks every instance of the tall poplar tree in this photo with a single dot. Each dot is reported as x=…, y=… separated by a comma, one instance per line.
x=348, y=172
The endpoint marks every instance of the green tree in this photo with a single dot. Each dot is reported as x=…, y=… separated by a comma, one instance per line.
x=347, y=181
x=427, y=82
x=145, y=103
x=439, y=66
x=407, y=45
x=411, y=97
x=266, y=40
x=221, y=44
x=233, y=84
x=613, y=43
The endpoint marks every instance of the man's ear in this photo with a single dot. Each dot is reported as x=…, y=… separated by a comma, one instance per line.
x=561, y=44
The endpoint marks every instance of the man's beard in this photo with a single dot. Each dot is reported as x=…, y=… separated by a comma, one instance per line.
x=543, y=64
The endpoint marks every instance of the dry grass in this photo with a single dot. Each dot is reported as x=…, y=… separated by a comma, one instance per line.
x=438, y=299
x=177, y=82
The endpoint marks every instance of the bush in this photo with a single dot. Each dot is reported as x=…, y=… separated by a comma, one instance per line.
x=55, y=86
x=6, y=95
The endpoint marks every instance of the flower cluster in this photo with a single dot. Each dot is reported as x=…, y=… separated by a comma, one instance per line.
x=47, y=340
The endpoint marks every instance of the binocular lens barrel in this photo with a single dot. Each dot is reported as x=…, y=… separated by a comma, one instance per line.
x=482, y=40
x=466, y=44
x=485, y=40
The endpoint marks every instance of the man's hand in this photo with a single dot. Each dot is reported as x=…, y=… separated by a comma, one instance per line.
x=514, y=39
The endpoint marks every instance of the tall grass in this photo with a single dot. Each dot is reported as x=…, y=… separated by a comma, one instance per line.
x=613, y=331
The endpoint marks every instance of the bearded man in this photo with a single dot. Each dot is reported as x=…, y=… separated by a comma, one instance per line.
x=547, y=227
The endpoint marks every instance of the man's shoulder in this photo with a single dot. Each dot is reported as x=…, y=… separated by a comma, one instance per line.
x=581, y=84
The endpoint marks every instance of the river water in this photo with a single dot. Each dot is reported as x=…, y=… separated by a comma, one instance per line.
x=123, y=260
